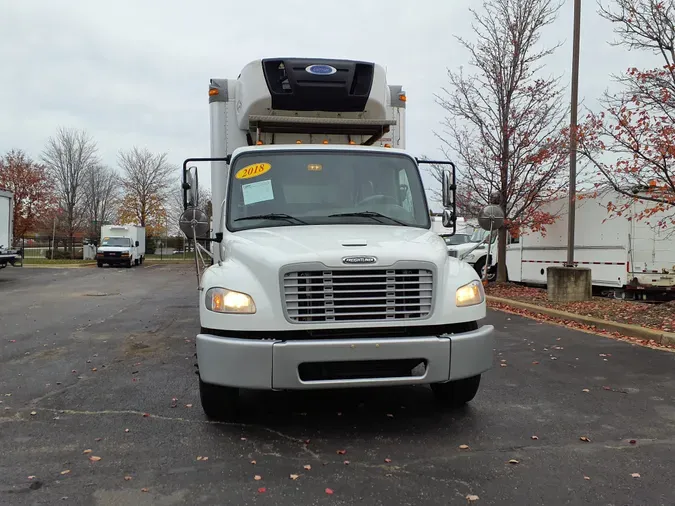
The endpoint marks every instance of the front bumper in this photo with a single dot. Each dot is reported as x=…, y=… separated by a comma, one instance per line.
x=274, y=365
x=107, y=259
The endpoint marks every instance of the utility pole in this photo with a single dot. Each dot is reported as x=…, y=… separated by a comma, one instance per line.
x=573, y=133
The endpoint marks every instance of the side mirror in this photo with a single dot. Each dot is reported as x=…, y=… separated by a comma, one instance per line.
x=190, y=187
x=138, y=243
x=194, y=224
x=448, y=186
x=448, y=218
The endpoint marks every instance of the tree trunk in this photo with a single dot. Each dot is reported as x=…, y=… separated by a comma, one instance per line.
x=501, y=256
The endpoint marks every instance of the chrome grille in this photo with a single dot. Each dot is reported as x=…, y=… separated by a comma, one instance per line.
x=314, y=296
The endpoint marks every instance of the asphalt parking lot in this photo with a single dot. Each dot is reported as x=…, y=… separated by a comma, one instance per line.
x=99, y=363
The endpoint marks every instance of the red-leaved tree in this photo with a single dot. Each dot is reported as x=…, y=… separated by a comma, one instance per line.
x=631, y=143
x=505, y=123
x=34, y=197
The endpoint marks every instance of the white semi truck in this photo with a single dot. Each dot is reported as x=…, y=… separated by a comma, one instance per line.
x=121, y=245
x=7, y=254
x=325, y=272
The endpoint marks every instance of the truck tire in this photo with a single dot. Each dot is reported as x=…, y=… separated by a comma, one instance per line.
x=128, y=265
x=456, y=393
x=218, y=402
x=135, y=261
x=99, y=264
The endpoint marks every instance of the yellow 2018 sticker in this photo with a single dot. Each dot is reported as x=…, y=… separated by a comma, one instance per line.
x=254, y=170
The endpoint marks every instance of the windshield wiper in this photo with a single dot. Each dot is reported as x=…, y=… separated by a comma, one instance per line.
x=274, y=216
x=369, y=214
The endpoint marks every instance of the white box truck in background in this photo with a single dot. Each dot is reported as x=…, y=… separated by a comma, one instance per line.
x=121, y=245
x=325, y=271
x=7, y=254
x=628, y=257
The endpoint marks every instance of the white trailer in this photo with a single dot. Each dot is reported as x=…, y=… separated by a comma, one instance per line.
x=325, y=273
x=121, y=245
x=627, y=256
x=7, y=254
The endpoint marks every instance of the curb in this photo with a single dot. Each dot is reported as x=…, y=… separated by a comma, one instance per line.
x=623, y=328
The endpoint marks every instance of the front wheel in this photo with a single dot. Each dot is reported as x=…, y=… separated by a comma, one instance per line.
x=456, y=393
x=218, y=402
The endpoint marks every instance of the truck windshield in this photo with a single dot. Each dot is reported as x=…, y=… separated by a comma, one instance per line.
x=454, y=240
x=480, y=235
x=284, y=188
x=116, y=241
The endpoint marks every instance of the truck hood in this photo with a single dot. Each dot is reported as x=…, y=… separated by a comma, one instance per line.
x=122, y=249
x=461, y=248
x=273, y=247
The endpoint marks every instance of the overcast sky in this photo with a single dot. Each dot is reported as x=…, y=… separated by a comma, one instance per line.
x=137, y=72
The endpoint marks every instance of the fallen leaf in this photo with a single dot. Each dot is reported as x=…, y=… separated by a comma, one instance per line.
x=86, y=451
x=243, y=439
x=585, y=439
x=346, y=462
x=145, y=490
x=534, y=437
x=257, y=477
x=341, y=452
x=471, y=497
x=329, y=491
x=586, y=478
x=586, y=390
x=67, y=471
x=128, y=478
x=306, y=441
x=535, y=363
x=294, y=476
x=188, y=405
x=253, y=462
x=463, y=447
x=514, y=461
x=126, y=430
x=145, y=415
x=390, y=415
x=503, y=360
x=94, y=369
x=635, y=475
x=31, y=477
x=632, y=441
x=98, y=439
x=307, y=467
x=94, y=458
x=262, y=490
x=174, y=402
x=503, y=365
x=33, y=413
x=387, y=461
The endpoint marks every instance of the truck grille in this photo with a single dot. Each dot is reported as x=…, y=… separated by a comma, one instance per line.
x=358, y=295
x=452, y=253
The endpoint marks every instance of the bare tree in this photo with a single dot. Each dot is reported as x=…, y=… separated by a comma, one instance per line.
x=102, y=192
x=69, y=156
x=505, y=124
x=146, y=179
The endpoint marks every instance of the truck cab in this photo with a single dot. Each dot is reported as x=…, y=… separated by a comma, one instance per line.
x=325, y=272
x=121, y=245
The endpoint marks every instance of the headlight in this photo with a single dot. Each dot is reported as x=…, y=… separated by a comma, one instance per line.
x=222, y=300
x=470, y=294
